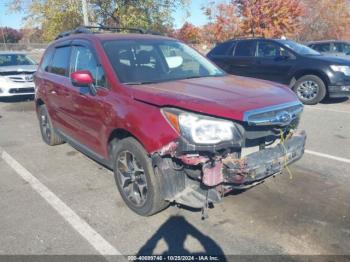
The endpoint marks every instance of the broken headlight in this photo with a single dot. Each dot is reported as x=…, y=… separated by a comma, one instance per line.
x=201, y=129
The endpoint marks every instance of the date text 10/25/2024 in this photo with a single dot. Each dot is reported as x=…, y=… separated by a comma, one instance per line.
x=175, y=258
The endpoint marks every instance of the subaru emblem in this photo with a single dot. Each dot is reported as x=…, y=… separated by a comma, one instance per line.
x=28, y=77
x=283, y=117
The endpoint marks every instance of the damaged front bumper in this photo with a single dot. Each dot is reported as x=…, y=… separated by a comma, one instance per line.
x=214, y=176
x=264, y=163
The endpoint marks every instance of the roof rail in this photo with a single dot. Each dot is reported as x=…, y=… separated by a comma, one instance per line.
x=248, y=37
x=117, y=29
x=97, y=29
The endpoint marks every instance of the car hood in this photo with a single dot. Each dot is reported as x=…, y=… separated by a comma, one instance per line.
x=226, y=96
x=18, y=68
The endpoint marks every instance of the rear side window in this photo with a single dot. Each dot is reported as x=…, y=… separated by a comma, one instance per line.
x=46, y=60
x=222, y=49
x=245, y=48
x=60, y=61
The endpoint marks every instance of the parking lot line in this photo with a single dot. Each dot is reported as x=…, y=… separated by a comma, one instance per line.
x=81, y=226
x=341, y=159
x=328, y=109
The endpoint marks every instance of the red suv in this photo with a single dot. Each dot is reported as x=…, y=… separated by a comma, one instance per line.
x=171, y=125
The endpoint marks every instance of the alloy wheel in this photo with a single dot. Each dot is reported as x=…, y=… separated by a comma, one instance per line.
x=45, y=125
x=131, y=178
x=308, y=90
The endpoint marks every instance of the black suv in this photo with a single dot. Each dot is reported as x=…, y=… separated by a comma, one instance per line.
x=311, y=75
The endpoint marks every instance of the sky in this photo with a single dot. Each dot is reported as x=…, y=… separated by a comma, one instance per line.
x=8, y=19
x=196, y=15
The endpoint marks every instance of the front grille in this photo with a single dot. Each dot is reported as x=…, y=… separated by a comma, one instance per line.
x=21, y=90
x=21, y=78
x=280, y=115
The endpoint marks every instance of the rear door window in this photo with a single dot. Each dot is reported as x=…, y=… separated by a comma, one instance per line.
x=60, y=61
x=245, y=48
x=46, y=60
x=223, y=49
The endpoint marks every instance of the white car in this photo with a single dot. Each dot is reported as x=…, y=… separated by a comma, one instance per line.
x=16, y=74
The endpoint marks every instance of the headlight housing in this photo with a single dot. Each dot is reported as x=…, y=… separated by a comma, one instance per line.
x=201, y=129
x=341, y=68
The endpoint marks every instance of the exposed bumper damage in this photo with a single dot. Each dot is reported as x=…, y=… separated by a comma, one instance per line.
x=196, y=179
x=264, y=163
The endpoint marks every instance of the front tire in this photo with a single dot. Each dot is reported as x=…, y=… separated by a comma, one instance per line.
x=135, y=178
x=48, y=133
x=310, y=89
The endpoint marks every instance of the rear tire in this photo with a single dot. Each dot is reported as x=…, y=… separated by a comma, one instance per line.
x=48, y=133
x=135, y=178
x=310, y=89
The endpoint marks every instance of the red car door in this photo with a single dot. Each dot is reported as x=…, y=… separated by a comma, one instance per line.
x=90, y=111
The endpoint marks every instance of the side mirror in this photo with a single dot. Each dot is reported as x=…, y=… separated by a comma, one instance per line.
x=84, y=80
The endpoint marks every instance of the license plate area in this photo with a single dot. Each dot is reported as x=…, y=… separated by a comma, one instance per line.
x=252, y=149
x=249, y=150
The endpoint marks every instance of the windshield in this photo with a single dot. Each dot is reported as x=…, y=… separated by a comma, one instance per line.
x=299, y=48
x=15, y=60
x=153, y=61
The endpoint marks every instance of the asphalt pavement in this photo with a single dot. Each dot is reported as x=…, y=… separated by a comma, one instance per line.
x=55, y=200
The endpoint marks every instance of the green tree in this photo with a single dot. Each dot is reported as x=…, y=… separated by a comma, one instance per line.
x=153, y=15
x=52, y=16
x=55, y=16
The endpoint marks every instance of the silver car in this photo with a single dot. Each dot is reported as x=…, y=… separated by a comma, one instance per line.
x=16, y=74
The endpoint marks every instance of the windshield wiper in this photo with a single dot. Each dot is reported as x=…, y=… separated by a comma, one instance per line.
x=140, y=83
x=199, y=76
x=190, y=77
